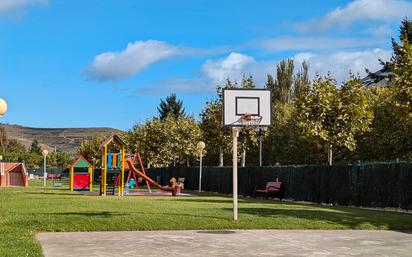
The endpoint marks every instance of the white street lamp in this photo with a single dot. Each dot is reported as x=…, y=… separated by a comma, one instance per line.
x=200, y=146
x=44, y=153
x=3, y=107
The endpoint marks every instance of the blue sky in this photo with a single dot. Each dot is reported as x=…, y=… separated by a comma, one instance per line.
x=107, y=63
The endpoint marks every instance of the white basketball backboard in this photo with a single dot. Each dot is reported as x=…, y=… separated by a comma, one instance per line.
x=254, y=102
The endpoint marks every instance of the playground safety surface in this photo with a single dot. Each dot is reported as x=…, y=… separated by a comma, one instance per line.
x=140, y=193
x=228, y=243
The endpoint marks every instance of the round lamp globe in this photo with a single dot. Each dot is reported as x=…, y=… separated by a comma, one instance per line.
x=201, y=145
x=3, y=107
x=45, y=152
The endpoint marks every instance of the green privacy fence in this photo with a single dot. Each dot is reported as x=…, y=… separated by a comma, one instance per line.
x=39, y=171
x=368, y=185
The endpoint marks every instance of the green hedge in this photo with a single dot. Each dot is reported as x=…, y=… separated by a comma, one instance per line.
x=367, y=185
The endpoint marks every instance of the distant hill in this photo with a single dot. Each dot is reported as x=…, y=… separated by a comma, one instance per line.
x=61, y=139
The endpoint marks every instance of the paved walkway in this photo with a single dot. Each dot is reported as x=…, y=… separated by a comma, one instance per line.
x=228, y=243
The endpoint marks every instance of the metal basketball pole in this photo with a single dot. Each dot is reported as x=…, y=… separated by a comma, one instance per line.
x=260, y=146
x=235, y=135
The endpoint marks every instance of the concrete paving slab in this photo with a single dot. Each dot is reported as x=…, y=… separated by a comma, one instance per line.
x=228, y=243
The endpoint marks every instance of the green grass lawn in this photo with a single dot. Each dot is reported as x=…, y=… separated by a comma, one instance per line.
x=25, y=211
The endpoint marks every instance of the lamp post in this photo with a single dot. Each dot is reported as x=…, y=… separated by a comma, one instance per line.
x=44, y=153
x=200, y=146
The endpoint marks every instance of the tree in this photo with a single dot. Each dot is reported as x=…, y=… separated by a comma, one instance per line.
x=216, y=137
x=188, y=134
x=282, y=90
x=285, y=142
x=301, y=82
x=247, y=136
x=270, y=84
x=170, y=106
x=14, y=145
x=35, y=147
x=335, y=116
x=159, y=142
x=405, y=35
x=59, y=160
x=3, y=139
x=91, y=150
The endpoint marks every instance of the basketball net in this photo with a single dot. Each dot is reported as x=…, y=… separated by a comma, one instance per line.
x=249, y=120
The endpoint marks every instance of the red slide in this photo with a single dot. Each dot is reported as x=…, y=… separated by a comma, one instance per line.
x=141, y=174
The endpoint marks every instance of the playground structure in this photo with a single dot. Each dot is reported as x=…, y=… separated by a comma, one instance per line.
x=13, y=174
x=113, y=161
x=117, y=163
x=81, y=175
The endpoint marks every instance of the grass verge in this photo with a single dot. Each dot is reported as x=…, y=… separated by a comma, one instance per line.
x=25, y=211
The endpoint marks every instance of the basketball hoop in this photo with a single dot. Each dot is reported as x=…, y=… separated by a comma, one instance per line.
x=248, y=108
x=249, y=120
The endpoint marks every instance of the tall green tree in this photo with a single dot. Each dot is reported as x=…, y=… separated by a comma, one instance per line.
x=285, y=143
x=390, y=136
x=283, y=85
x=3, y=139
x=336, y=116
x=171, y=106
x=405, y=35
x=160, y=142
x=91, y=150
x=59, y=160
x=35, y=147
x=301, y=81
x=216, y=136
x=247, y=136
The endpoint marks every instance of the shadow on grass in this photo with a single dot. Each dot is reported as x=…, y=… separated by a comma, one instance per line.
x=108, y=214
x=225, y=200
x=51, y=193
x=105, y=214
x=348, y=217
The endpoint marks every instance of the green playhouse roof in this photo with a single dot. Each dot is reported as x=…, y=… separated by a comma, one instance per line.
x=81, y=162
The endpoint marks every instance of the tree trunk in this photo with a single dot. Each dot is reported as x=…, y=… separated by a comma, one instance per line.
x=220, y=158
x=243, y=164
x=1, y=144
x=187, y=162
x=330, y=156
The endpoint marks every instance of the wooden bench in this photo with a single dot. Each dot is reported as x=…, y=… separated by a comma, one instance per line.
x=272, y=188
x=54, y=176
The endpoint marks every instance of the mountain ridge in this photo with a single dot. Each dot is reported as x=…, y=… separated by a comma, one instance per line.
x=60, y=139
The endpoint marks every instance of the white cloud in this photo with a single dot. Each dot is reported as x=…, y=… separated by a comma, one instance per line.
x=233, y=66
x=213, y=73
x=314, y=43
x=360, y=10
x=18, y=6
x=136, y=57
x=198, y=85
x=382, y=30
x=339, y=64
